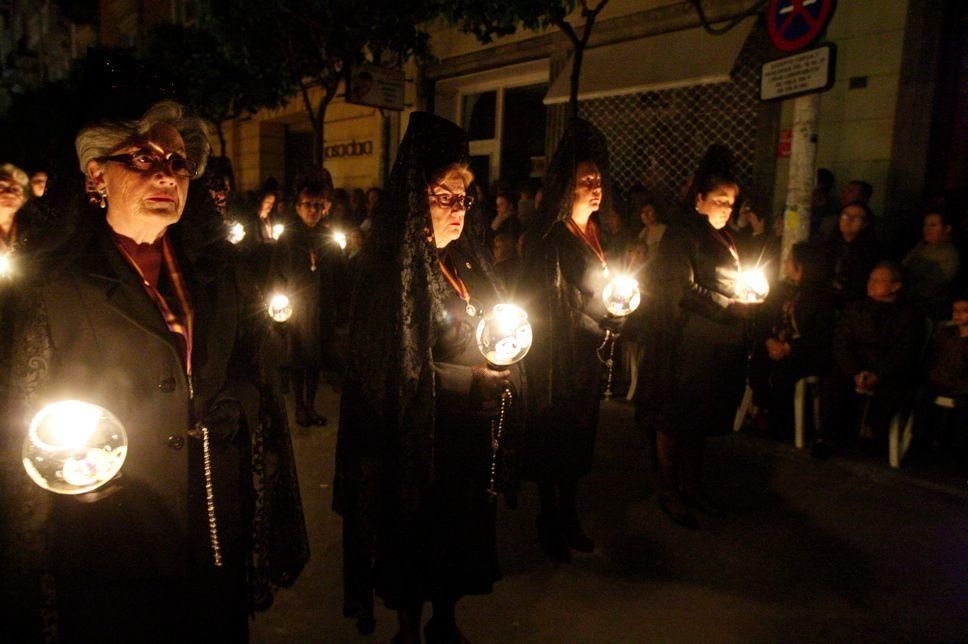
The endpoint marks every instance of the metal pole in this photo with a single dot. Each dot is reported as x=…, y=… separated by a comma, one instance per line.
x=803, y=171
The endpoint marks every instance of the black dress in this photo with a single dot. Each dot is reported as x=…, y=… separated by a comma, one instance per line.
x=447, y=549
x=699, y=372
x=564, y=373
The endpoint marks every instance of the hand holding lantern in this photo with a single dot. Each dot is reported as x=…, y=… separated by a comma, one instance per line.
x=73, y=447
x=504, y=336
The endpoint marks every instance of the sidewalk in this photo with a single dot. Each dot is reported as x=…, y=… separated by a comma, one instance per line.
x=812, y=551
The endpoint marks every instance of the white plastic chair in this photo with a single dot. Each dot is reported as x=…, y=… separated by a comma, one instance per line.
x=805, y=386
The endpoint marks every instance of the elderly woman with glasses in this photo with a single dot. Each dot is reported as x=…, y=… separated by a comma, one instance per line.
x=308, y=267
x=416, y=461
x=141, y=314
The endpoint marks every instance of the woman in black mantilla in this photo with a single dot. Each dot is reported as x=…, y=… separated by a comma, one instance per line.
x=567, y=272
x=414, y=450
x=697, y=374
x=308, y=266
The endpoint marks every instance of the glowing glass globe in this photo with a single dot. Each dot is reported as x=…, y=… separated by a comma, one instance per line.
x=73, y=447
x=621, y=296
x=340, y=239
x=752, y=286
x=504, y=335
x=236, y=232
x=280, y=308
x=277, y=230
x=6, y=265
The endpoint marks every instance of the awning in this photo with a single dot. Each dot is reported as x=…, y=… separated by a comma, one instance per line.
x=677, y=59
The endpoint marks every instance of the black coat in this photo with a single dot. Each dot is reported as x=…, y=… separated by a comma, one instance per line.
x=804, y=318
x=695, y=377
x=564, y=281
x=92, y=333
x=851, y=264
x=881, y=337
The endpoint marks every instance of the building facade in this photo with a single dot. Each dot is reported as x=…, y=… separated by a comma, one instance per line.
x=662, y=89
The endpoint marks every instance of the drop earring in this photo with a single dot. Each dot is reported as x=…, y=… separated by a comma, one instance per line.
x=103, y=198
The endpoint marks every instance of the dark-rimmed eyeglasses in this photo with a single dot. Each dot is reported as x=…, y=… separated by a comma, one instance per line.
x=450, y=200
x=146, y=161
x=11, y=188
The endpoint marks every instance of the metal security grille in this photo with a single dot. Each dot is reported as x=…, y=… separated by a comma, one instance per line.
x=656, y=139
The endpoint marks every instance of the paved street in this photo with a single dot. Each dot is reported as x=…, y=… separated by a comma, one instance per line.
x=837, y=550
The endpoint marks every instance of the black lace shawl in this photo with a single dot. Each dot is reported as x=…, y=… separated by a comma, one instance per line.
x=388, y=401
x=582, y=141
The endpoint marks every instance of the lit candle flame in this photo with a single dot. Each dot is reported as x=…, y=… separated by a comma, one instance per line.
x=340, y=239
x=280, y=309
x=752, y=286
x=277, y=230
x=6, y=265
x=236, y=232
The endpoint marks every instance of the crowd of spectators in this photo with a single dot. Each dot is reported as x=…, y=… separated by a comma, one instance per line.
x=881, y=327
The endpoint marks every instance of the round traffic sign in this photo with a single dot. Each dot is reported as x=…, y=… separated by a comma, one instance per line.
x=794, y=24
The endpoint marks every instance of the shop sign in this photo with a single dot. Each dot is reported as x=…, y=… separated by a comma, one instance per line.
x=804, y=73
x=795, y=24
x=376, y=87
x=350, y=149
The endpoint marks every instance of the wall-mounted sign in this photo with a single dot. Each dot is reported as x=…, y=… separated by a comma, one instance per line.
x=794, y=24
x=804, y=73
x=376, y=87
x=785, y=143
x=348, y=149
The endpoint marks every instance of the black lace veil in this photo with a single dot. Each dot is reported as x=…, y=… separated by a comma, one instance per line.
x=581, y=141
x=389, y=397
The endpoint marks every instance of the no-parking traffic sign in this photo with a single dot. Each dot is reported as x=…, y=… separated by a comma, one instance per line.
x=794, y=24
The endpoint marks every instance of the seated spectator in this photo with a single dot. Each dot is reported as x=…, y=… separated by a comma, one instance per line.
x=798, y=322
x=266, y=217
x=505, y=217
x=506, y=260
x=526, y=204
x=823, y=205
x=758, y=247
x=855, y=192
x=38, y=183
x=931, y=267
x=875, y=352
x=652, y=231
x=615, y=238
x=637, y=261
x=853, y=253
x=357, y=206
x=373, y=198
x=948, y=370
x=947, y=384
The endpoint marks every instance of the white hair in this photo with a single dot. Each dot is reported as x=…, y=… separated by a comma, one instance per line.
x=102, y=138
x=16, y=175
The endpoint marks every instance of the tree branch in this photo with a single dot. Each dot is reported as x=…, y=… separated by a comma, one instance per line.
x=566, y=27
x=718, y=31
